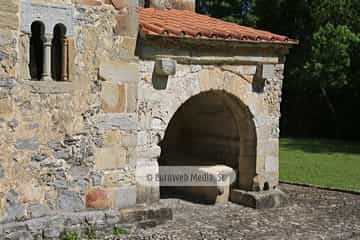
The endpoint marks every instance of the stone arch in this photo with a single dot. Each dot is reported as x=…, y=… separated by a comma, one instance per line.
x=211, y=128
x=36, y=50
x=58, y=60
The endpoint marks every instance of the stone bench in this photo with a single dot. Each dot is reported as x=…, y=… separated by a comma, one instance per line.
x=223, y=175
x=214, y=191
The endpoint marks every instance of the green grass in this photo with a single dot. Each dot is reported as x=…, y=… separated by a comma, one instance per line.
x=326, y=163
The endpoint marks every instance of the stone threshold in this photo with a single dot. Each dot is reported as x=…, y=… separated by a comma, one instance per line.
x=101, y=223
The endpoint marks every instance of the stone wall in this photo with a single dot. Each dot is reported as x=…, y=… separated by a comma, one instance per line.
x=77, y=145
x=69, y=146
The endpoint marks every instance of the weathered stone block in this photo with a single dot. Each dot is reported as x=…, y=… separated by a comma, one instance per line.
x=259, y=200
x=119, y=71
x=110, y=157
x=119, y=121
x=8, y=83
x=19, y=235
x=129, y=139
x=113, y=97
x=147, y=191
x=91, y=2
x=165, y=67
x=124, y=197
x=127, y=18
x=131, y=97
x=2, y=172
x=51, y=233
x=27, y=144
x=70, y=201
x=98, y=199
x=6, y=106
x=9, y=18
x=97, y=179
x=39, y=210
x=150, y=152
x=64, y=154
x=112, y=137
x=13, y=209
x=268, y=71
x=77, y=172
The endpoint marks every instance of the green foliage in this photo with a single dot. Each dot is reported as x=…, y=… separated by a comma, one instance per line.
x=326, y=63
x=118, y=231
x=70, y=236
x=237, y=11
x=90, y=232
x=336, y=12
x=330, y=59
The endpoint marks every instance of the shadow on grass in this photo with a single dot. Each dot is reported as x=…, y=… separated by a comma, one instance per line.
x=321, y=146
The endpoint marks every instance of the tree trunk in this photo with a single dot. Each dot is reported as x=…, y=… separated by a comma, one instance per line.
x=332, y=110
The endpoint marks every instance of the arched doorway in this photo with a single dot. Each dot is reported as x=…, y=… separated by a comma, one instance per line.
x=212, y=128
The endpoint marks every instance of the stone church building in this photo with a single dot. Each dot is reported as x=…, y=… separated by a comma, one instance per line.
x=91, y=91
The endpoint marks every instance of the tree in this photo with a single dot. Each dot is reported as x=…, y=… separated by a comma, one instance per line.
x=325, y=65
x=329, y=66
x=237, y=11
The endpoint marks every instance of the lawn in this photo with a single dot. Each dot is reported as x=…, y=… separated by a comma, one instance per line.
x=326, y=163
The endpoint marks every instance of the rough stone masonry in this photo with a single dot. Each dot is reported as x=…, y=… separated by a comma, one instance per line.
x=85, y=100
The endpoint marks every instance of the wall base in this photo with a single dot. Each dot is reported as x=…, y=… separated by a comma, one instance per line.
x=259, y=200
x=96, y=223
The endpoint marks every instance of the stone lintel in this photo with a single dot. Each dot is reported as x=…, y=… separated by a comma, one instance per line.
x=259, y=200
x=196, y=45
x=213, y=60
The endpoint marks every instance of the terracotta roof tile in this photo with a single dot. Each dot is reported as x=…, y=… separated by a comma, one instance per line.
x=184, y=23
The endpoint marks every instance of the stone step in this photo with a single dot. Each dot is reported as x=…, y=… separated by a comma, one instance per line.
x=259, y=200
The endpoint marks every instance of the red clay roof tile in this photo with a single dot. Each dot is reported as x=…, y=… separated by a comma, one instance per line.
x=184, y=23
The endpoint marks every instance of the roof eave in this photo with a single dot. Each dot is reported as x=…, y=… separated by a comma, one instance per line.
x=221, y=42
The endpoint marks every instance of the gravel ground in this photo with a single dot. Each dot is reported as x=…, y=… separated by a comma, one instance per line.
x=311, y=214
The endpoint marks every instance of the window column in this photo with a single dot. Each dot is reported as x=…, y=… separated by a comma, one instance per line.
x=46, y=75
x=65, y=60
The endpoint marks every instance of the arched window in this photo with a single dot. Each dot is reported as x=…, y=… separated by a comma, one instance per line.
x=59, y=54
x=36, y=50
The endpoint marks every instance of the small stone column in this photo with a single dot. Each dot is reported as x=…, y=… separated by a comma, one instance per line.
x=46, y=75
x=65, y=56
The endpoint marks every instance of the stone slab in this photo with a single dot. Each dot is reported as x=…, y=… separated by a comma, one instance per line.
x=119, y=71
x=117, y=121
x=268, y=71
x=259, y=200
x=113, y=97
x=124, y=197
x=113, y=157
